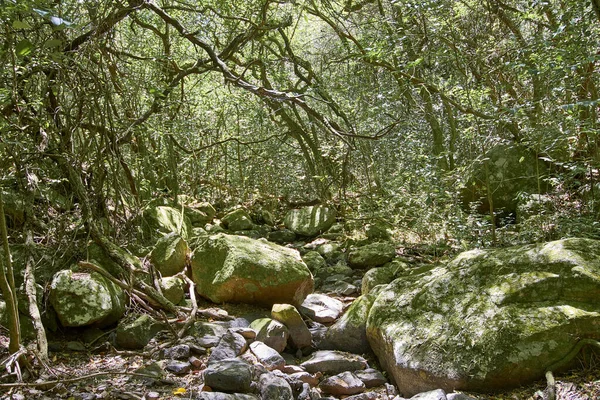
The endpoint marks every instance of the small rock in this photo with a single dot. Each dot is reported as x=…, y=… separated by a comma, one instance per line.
x=75, y=346
x=247, y=333
x=371, y=255
x=152, y=396
x=273, y=387
x=230, y=375
x=321, y=308
x=459, y=396
x=363, y=396
x=272, y=333
x=208, y=341
x=178, y=367
x=340, y=287
x=305, y=377
x=291, y=369
x=371, y=377
x=267, y=356
x=231, y=345
x=330, y=362
x=345, y=383
x=196, y=362
x=179, y=352
x=287, y=314
x=281, y=236
x=225, y=396
x=304, y=392
x=437, y=394
x=135, y=333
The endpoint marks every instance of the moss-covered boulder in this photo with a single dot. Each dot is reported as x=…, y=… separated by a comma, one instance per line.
x=82, y=298
x=228, y=268
x=371, y=255
x=238, y=220
x=96, y=255
x=159, y=220
x=489, y=319
x=310, y=221
x=170, y=254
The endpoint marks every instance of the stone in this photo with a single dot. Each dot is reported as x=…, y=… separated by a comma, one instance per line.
x=339, y=287
x=238, y=220
x=331, y=252
x=382, y=275
x=172, y=288
x=363, y=396
x=231, y=345
x=310, y=221
x=208, y=341
x=199, y=214
x=349, y=332
x=508, y=170
x=225, y=396
x=371, y=255
x=314, y=261
x=272, y=333
x=178, y=367
x=136, y=331
x=321, y=308
x=273, y=387
x=331, y=362
x=305, y=377
x=437, y=394
x=170, y=254
x=281, y=236
x=267, y=356
x=83, y=298
x=160, y=220
x=178, y=352
x=459, y=396
x=371, y=377
x=238, y=269
x=230, y=375
x=97, y=256
x=345, y=383
x=495, y=318
x=299, y=335
x=378, y=231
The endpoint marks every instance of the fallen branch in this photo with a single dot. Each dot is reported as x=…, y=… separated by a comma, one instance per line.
x=50, y=384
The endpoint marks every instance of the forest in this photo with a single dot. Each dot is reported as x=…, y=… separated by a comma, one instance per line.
x=435, y=127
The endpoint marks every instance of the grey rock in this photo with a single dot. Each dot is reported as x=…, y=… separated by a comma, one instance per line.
x=272, y=333
x=371, y=377
x=267, y=356
x=231, y=345
x=230, y=375
x=345, y=383
x=273, y=387
x=459, y=396
x=437, y=394
x=314, y=261
x=178, y=367
x=178, y=352
x=208, y=341
x=331, y=362
x=225, y=396
x=321, y=308
x=363, y=396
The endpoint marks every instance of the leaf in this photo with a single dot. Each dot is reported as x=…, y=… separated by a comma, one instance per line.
x=180, y=391
x=20, y=25
x=53, y=43
x=23, y=48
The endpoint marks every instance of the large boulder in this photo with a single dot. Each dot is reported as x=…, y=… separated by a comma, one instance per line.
x=310, y=221
x=170, y=254
x=228, y=268
x=490, y=319
x=508, y=170
x=82, y=298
